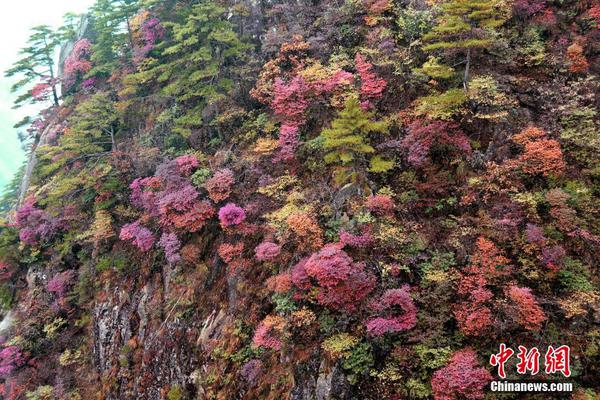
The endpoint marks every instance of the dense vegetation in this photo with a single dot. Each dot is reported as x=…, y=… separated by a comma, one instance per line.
x=353, y=199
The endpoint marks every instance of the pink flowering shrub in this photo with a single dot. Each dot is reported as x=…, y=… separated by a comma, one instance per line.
x=171, y=244
x=340, y=283
x=371, y=85
x=231, y=215
x=78, y=62
x=390, y=299
x=534, y=234
x=138, y=235
x=424, y=135
x=267, y=251
x=186, y=164
x=10, y=359
x=220, y=184
x=462, y=378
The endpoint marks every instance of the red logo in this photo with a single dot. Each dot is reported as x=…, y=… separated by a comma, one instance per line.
x=556, y=360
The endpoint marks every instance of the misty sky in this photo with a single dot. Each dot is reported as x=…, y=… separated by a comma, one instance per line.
x=16, y=19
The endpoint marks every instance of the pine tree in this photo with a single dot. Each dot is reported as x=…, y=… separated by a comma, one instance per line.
x=194, y=63
x=114, y=36
x=93, y=127
x=347, y=138
x=36, y=66
x=464, y=25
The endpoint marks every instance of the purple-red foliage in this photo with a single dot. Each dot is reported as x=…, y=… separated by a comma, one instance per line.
x=423, y=135
x=268, y=333
x=152, y=31
x=35, y=225
x=10, y=359
x=231, y=215
x=78, y=62
x=143, y=194
x=300, y=278
x=290, y=100
x=170, y=196
x=371, y=85
x=140, y=236
x=535, y=234
x=357, y=241
x=462, y=378
x=288, y=142
x=171, y=244
x=526, y=8
x=390, y=299
x=60, y=282
x=380, y=204
x=341, y=283
x=186, y=164
x=267, y=251
x=251, y=370
x=553, y=256
x=219, y=185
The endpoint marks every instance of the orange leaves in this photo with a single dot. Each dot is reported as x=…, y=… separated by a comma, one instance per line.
x=308, y=231
x=541, y=156
x=529, y=314
x=577, y=61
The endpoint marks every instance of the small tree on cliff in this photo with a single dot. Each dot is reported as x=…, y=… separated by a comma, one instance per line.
x=346, y=141
x=36, y=67
x=464, y=25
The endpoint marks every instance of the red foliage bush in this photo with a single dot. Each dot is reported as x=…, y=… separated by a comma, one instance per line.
x=231, y=215
x=371, y=85
x=393, y=298
x=529, y=313
x=424, y=135
x=186, y=164
x=267, y=251
x=219, y=185
x=228, y=251
x=541, y=155
x=140, y=236
x=578, y=61
x=462, y=378
x=380, y=204
x=269, y=332
x=341, y=284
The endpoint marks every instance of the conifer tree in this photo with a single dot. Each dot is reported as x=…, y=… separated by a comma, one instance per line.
x=114, y=36
x=36, y=66
x=464, y=25
x=347, y=138
x=93, y=127
x=193, y=68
